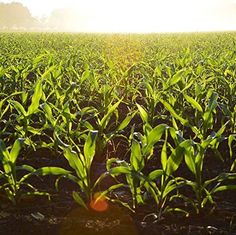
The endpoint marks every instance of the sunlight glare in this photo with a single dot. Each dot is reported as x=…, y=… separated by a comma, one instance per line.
x=140, y=16
x=98, y=203
x=135, y=16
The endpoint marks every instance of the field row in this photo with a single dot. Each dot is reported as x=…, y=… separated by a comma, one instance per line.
x=158, y=110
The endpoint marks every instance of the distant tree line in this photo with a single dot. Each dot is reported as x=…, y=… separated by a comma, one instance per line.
x=15, y=16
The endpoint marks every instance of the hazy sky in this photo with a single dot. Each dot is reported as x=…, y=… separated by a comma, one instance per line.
x=140, y=15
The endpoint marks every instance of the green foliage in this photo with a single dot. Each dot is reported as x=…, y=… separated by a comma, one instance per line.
x=150, y=106
x=12, y=185
x=81, y=164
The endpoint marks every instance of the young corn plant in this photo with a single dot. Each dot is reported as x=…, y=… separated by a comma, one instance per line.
x=161, y=183
x=108, y=130
x=230, y=114
x=132, y=170
x=5, y=123
x=201, y=125
x=133, y=174
x=13, y=186
x=150, y=136
x=227, y=104
x=81, y=163
x=204, y=190
x=24, y=126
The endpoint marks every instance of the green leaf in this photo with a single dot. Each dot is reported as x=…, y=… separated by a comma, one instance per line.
x=5, y=158
x=231, y=138
x=11, y=95
x=122, y=203
x=90, y=146
x=119, y=170
x=149, y=88
x=20, y=109
x=213, y=101
x=179, y=210
x=110, y=189
x=125, y=122
x=115, y=161
x=187, y=86
x=34, y=130
x=51, y=170
x=99, y=180
x=208, y=119
x=213, y=136
x=152, y=138
x=164, y=154
x=59, y=141
x=38, y=91
x=152, y=188
x=39, y=59
x=176, y=157
x=194, y=103
x=71, y=177
x=15, y=150
x=171, y=185
x=136, y=158
x=48, y=113
x=46, y=74
x=176, y=78
x=143, y=113
x=45, y=194
x=189, y=160
x=106, y=118
x=155, y=174
x=85, y=75
x=79, y=199
x=224, y=188
x=88, y=125
x=75, y=162
x=233, y=166
x=26, y=168
x=173, y=113
x=4, y=154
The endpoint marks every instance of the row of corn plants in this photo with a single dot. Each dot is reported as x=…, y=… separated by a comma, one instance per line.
x=155, y=109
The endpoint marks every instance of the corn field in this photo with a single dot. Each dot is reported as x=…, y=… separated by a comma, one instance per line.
x=157, y=111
